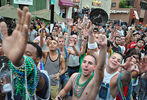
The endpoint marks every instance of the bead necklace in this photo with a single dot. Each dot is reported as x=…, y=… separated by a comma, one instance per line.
x=20, y=81
x=79, y=88
x=120, y=90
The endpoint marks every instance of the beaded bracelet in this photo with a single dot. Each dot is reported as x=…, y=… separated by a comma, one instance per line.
x=19, y=66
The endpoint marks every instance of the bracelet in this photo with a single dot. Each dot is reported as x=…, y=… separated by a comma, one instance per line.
x=17, y=68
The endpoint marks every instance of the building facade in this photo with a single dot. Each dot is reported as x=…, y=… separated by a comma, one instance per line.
x=64, y=8
x=135, y=14
x=105, y=4
x=37, y=4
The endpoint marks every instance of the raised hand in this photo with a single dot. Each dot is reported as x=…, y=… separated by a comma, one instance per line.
x=143, y=65
x=129, y=65
x=102, y=41
x=43, y=25
x=14, y=45
x=71, y=42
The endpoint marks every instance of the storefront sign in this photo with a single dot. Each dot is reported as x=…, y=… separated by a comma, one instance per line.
x=24, y=2
x=119, y=11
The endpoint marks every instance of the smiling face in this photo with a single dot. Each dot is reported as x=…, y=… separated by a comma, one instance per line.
x=114, y=61
x=88, y=65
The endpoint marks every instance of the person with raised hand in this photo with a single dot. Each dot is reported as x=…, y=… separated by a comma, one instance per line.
x=27, y=81
x=85, y=85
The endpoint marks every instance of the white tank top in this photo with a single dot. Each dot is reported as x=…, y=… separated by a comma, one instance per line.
x=106, y=83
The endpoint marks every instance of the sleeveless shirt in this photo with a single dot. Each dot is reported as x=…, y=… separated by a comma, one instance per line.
x=52, y=67
x=106, y=83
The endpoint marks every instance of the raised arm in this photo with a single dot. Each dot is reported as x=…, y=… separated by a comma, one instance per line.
x=99, y=71
x=14, y=45
x=74, y=51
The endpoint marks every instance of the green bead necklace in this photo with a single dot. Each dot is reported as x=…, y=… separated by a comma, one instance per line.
x=79, y=88
x=20, y=78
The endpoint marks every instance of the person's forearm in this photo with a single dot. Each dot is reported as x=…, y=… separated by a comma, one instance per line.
x=62, y=94
x=102, y=58
x=19, y=62
x=83, y=49
x=41, y=41
x=62, y=71
x=76, y=51
x=41, y=82
x=91, y=38
x=126, y=77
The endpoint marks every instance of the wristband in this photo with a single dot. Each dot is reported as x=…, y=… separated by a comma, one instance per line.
x=92, y=46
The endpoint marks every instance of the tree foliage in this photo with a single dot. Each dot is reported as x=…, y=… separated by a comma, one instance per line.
x=123, y=4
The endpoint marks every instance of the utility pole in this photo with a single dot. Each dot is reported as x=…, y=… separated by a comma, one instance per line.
x=137, y=8
x=52, y=3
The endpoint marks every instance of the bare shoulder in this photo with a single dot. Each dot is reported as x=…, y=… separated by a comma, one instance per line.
x=74, y=75
x=62, y=58
x=44, y=52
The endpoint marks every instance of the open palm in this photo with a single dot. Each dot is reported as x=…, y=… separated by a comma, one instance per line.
x=14, y=45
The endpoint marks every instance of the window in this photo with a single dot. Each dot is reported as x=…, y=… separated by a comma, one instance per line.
x=114, y=4
x=143, y=5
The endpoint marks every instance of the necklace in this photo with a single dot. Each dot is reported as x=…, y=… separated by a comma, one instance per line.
x=79, y=88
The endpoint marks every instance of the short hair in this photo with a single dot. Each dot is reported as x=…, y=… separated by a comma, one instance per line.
x=119, y=54
x=95, y=61
x=60, y=37
x=109, y=43
x=54, y=39
x=141, y=40
x=96, y=29
x=116, y=37
x=38, y=48
x=131, y=52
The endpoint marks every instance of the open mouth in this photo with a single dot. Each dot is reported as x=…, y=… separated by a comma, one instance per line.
x=85, y=70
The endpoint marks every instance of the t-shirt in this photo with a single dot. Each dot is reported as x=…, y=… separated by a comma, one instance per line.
x=32, y=35
x=132, y=45
x=116, y=49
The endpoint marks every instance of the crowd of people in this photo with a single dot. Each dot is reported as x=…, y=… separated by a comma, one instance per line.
x=76, y=60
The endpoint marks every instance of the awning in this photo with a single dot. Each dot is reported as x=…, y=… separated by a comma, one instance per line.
x=66, y=3
x=46, y=14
